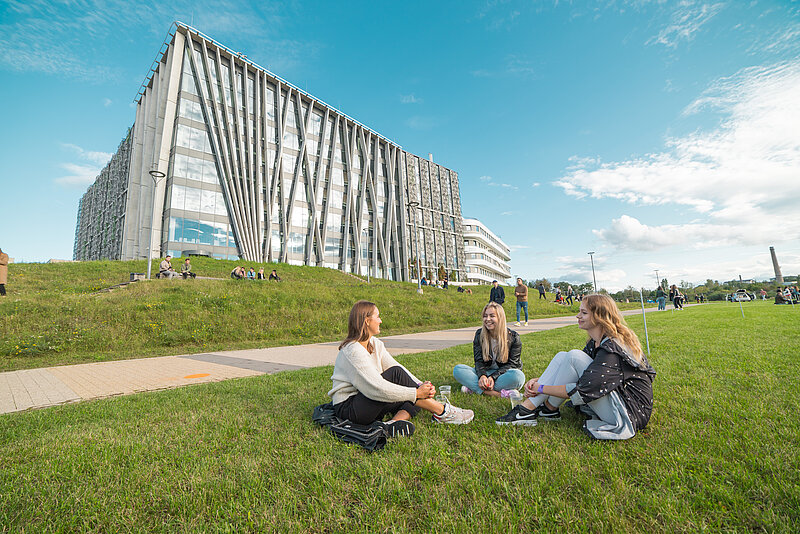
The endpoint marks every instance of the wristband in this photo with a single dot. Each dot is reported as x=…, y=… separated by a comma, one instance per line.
x=540, y=389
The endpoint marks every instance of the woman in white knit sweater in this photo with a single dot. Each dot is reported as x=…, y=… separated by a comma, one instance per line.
x=368, y=383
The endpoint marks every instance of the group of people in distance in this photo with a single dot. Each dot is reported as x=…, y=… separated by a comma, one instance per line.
x=239, y=273
x=609, y=381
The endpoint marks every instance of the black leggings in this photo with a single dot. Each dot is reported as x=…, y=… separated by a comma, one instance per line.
x=363, y=410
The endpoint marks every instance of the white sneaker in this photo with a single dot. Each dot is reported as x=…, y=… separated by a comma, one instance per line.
x=517, y=324
x=526, y=323
x=454, y=415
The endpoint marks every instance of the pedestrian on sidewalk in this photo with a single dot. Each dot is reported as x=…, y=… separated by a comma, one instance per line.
x=497, y=294
x=610, y=380
x=3, y=272
x=369, y=384
x=570, y=295
x=497, y=351
x=521, y=292
x=661, y=298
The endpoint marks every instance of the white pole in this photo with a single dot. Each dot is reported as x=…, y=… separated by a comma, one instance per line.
x=741, y=308
x=644, y=318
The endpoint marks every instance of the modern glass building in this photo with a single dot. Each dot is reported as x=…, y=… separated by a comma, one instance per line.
x=258, y=169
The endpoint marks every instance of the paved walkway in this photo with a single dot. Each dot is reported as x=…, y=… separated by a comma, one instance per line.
x=39, y=388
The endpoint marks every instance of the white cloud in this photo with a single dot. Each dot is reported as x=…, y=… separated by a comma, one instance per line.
x=687, y=19
x=410, y=99
x=742, y=177
x=84, y=173
x=488, y=180
x=107, y=102
x=418, y=122
x=535, y=184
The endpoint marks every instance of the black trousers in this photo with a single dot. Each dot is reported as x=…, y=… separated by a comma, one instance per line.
x=363, y=410
x=2, y=290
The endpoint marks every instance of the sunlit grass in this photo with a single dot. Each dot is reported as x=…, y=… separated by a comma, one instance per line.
x=721, y=453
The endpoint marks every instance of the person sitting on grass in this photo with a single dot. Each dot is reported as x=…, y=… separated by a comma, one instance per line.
x=165, y=269
x=496, y=350
x=237, y=273
x=779, y=298
x=369, y=384
x=610, y=380
x=261, y=275
x=186, y=269
x=274, y=276
x=251, y=274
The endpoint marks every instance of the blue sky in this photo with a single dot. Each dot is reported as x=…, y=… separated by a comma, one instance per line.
x=662, y=135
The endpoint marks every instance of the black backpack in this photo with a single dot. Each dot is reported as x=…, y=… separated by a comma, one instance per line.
x=371, y=437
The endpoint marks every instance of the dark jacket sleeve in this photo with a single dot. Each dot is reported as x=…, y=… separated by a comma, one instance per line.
x=502, y=295
x=477, y=353
x=514, y=355
x=603, y=376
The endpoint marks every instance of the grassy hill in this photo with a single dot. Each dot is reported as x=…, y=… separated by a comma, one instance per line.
x=53, y=313
x=721, y=452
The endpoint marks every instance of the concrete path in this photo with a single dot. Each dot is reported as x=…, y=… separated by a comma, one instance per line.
x=39, y=388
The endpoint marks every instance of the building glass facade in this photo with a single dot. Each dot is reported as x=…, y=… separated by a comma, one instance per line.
x=260, y=170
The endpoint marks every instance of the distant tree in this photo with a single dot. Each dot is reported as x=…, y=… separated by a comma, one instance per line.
x=545, y=282
x=441, y=272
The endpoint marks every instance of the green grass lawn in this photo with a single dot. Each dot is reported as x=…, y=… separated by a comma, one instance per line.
x=53, y=314
x=721, y=453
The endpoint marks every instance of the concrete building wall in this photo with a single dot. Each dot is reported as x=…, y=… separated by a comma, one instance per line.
x=487, y=256
x=260, y=170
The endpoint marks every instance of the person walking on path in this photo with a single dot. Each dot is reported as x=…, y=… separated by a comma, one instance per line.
x=521, y=292
x=661, y=299
x=369, y=384
x=3, y=272
x=186, y=269
x=497, y=294
x=610, y=380
x=540, y=287
x=676, y=297
x=497, y=351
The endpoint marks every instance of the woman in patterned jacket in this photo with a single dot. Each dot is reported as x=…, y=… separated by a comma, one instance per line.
x=610, y=381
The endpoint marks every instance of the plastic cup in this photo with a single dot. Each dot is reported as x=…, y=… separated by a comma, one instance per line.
x=444, y=393
x=516, y=398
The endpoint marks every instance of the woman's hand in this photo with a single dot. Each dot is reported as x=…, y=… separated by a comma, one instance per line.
x=426, y=391
x=531, y=387
x=486, y=383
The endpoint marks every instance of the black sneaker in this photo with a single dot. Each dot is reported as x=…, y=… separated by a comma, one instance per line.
x=547, y=414
x=398, y=428
x=520, y=415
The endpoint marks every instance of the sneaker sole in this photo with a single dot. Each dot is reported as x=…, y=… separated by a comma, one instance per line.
x=545, y=418
x=531, y=422
x=453, y=422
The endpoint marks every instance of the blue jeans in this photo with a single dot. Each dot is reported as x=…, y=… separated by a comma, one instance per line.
x=662, y=303
x=522, y=305
x=467, y=376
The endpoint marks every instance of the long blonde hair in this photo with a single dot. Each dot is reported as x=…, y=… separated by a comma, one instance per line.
x=500, y=334
x=606, y=314
x=357, y=323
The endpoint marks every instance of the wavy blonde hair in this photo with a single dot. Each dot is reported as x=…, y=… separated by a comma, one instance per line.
x=606, y=314
x=500, y=334
x=357, y=323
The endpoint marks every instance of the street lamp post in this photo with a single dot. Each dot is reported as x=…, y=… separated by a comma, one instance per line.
x=156, y=175
x=658, y=280
x=414, y=205
x=591, y=257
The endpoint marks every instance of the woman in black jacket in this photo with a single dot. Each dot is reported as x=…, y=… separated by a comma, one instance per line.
x=496, y=350
x=610, y=380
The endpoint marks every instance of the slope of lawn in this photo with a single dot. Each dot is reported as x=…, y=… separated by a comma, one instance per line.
x=53, y=313
x=721, y=453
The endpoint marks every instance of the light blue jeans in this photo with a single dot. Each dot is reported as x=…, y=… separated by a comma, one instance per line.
x=609, y=417
x=467, y=376
x=662, y=303
x=525, y=306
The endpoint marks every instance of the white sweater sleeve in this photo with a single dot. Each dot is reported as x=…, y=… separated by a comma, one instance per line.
x=366, y=378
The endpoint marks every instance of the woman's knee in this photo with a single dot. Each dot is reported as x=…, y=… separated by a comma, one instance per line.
x=513, y=379
x=464, y=373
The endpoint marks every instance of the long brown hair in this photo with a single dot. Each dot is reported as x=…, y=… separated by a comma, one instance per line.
x=606, y=314
x=357, y=323
x=500, y=333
